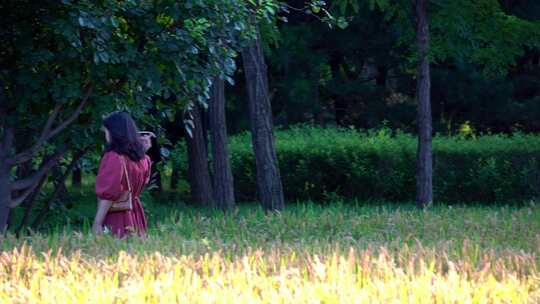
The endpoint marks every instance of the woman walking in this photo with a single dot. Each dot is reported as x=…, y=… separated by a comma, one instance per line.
x=123, y=172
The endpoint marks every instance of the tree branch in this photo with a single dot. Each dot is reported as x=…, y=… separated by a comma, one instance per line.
x=73, y=116
x=32, y=181
x=56, y=192
x=30, y=204
x=27, y=155
x=48, y=133
x=20, y=199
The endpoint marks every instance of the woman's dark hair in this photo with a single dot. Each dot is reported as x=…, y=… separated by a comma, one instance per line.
x=124, y=138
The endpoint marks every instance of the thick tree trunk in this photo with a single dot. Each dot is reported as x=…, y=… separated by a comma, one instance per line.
x=222, y=179
x=199, y=176
x=260, y=113
x=424, y=171
x=5, y=176
x=205, y=126
x=5, y=195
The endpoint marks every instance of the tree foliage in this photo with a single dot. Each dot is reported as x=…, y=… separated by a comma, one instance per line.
x=484, y=57
x=66, y=63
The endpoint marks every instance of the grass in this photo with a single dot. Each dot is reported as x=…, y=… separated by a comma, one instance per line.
x=338, y=253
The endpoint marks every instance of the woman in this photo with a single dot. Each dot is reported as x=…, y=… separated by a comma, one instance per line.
x=124, y=147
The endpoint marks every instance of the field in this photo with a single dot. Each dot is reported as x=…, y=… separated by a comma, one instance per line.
x=336, y=253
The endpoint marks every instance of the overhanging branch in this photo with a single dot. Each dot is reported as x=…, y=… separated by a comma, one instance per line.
x=26, y=155
x=48, y=133
x=31, y=181
x=56, y=192
x=22, y=197
x=75, y=114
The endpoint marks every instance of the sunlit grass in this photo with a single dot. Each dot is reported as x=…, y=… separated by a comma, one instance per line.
x=342, y=253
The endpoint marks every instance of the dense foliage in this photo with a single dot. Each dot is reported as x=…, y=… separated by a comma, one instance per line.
x=131, y=53
x=485, y=66
x=322, y=164
x=67, y=63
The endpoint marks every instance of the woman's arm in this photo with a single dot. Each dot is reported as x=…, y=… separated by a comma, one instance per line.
x=103, y=207
x=146, y=141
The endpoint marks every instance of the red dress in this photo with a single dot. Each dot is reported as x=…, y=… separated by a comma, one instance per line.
x=111, y=184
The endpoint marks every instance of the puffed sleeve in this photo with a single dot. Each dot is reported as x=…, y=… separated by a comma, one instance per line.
x=148, y=169
x=109, y=178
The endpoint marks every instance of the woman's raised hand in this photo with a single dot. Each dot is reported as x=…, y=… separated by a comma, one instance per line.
x=146, y=141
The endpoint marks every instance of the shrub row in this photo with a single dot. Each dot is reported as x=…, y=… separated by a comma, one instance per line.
x=322, y=164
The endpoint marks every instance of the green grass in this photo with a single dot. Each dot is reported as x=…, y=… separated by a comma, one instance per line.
x=176, y=228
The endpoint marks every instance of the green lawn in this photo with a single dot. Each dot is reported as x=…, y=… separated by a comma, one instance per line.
x=315, y=227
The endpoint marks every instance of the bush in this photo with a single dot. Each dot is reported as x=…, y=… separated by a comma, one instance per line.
x=322, y=164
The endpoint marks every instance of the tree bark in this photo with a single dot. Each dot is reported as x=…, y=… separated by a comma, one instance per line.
x=5, y=196
x=76, y=176
x=424, y=170
x=222, y=179
x=155, y=155
x=174, y=176
x=199, y=176
x=59, y=183
x=5, y=181
x=268, y=176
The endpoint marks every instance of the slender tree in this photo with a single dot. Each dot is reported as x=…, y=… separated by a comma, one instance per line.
x=269, y=185
x=199, y=176
x=424, y=171
x=222, y=174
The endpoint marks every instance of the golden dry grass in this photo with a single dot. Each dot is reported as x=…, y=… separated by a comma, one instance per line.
x=492, y=259
x=409, y=276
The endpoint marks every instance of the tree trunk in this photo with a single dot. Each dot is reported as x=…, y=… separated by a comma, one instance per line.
x=424, y=171
x=157, y=181
x=5, y=175
x=199, y=176
x=382, y=74
x=222, y=179
x=260, y=113
x=76, y=176
x=174, y=176
x=155, y=155
x=340, y=103
x=5, y=196
x=205, y=126
x=59, y=183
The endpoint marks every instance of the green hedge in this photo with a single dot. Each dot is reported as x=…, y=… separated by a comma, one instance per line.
x=322, y=164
